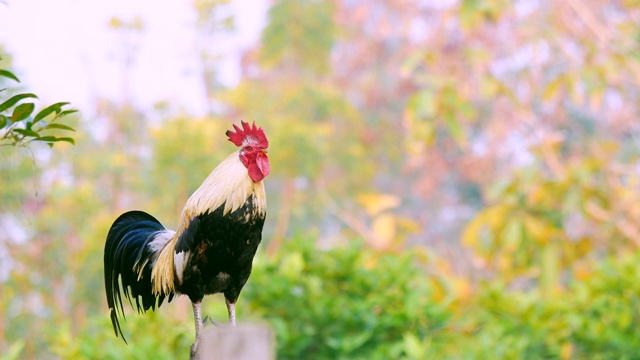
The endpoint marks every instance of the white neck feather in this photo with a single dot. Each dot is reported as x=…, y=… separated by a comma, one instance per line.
x=229, y=184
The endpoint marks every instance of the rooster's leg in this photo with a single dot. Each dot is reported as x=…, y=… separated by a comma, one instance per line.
x=231, y=307
x=197, y=316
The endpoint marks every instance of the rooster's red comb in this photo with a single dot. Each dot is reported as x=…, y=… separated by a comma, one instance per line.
x=249, y=134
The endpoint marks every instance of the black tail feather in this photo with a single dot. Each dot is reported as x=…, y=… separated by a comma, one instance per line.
x=127, y=244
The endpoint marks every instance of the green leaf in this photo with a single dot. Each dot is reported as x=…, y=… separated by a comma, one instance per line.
x=9, y=74
x=66, y=139
x=13, y=100
x=57, y=108
x=67, y=112
x=48, y=138
x=455, y=128
x=512, y=235
x=413, y=346
x=3, y=121
x=22, y=112
x=58, y=126
x=14, y=351
x=27, y=133
x=424, y=104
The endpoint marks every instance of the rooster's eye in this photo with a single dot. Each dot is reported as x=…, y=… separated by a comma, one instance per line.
x=249, y=148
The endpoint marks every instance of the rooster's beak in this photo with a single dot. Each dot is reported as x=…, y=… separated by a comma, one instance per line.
x=264, y=151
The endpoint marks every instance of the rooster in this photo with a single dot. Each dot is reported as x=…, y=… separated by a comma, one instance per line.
x=211, y=251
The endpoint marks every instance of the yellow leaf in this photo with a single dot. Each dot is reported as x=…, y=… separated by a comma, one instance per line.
x=566, y=351
x=491, y=218
x=537, y=195
x=462, y=288
x=371, y=262
x=552, y=88
x=489, y=87
x=384, y=230
x=408, y=225
x=609, y=146
x=584, y=246
x=497, y=215
x=539, y=230
x=582, y=272
x=375, y=203
x=471, y=232
x=439, y=290
x=504, y=264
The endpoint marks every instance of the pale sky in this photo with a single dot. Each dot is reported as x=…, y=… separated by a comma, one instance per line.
x=64, y=50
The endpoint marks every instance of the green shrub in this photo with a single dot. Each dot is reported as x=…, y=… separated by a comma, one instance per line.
x=352, y=302
x=149, y=336
x=345, y=303
x=598, y=318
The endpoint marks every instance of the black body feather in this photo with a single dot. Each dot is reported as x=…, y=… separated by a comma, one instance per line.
x=221, y=250
x=125, y=247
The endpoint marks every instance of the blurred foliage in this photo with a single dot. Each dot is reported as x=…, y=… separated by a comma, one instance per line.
x=350, y=303
x=465, y=174
x=19, y=128
x=356, y=303
x=595, y=318
x=300, y=35
x=541, y=223
x=95, y=343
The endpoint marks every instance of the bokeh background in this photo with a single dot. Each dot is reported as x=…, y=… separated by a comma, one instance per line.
x=451, y=179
